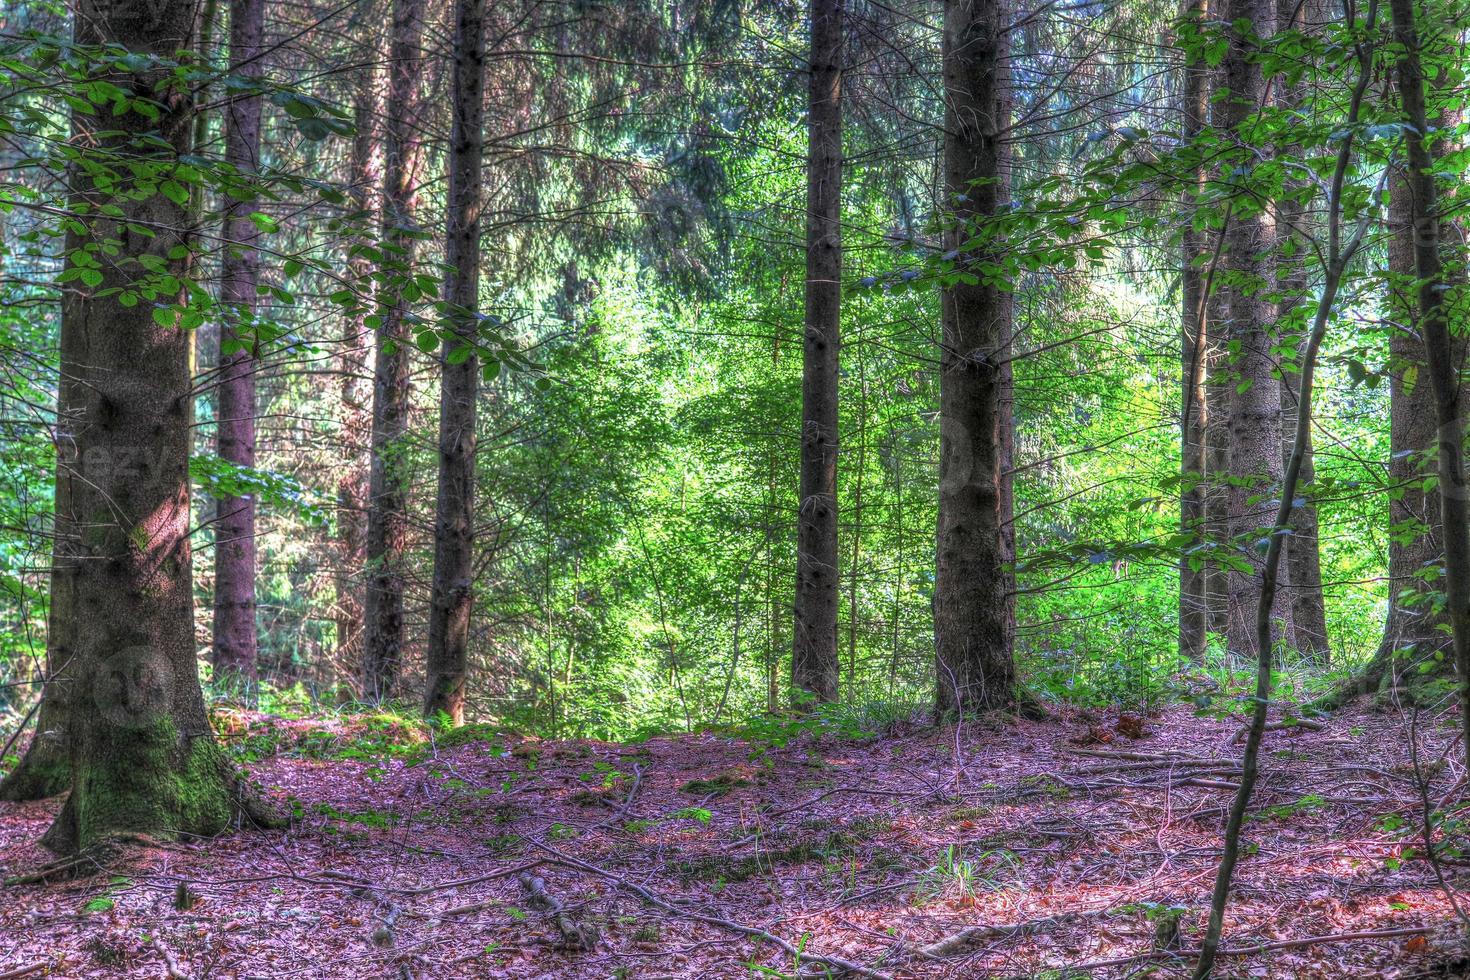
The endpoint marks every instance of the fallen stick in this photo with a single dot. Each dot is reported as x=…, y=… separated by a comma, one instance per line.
x=574, y=934
x=25, y=971
x=967, y=939
x=557, y=857
x=1286, y=724
x=170, y=965
x=1189, y=954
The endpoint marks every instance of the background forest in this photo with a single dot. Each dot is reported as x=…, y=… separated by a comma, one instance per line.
x=825, y=437
x=643, y=251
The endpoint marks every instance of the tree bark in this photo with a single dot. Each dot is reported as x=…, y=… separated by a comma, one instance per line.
x=234, y=649
x=1414, y=633
x=387, y=532
x=1194, y=410
x=43, y=771
x=814, y=661
x=452, y=595
x=356, y=409
x=1255, y=402
x=142, y=756
x=1439, y=348
x=972, y=593
x=1302, y=554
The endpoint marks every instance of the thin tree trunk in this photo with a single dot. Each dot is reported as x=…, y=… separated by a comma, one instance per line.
x=387, y=533
x=356, y=410
x=1439, y=348
x=234, y=650
x=1193, y=613
x=857, y=527
x=454, y=524
x=814, y=663
x=973, y=622
x=1303, y=556
x=143, y=758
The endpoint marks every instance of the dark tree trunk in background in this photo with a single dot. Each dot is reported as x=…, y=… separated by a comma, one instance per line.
x=454, y=521
x=1302, y=554
x=1255, y=401
x=972, y=594
x=234, y=650
x=814, y=664
x=143, y=758
x=1414, y=633
x=43, y=770
x=387, y=532
x=1219, y=389
x=1194, y=412
x=1439, y=348
x=356, y=409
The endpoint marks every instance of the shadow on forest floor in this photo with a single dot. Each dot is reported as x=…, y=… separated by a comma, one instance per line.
x=1062, y=849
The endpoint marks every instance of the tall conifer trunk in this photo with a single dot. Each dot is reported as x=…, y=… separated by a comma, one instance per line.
x=234, y=551
x=1194, y=335
x=973, y=596
x=454, y=521
x=387, y=530
x=1254, y=435
x=1302, y=552
x=814, y=662
x=143, y=758
x=357, y=390
x=1439, y=347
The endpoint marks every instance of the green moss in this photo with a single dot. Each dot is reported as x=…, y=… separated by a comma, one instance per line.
x=721, y=785
x=153, y=782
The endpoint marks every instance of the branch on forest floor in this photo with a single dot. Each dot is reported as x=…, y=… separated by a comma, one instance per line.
x=1284, y=725
x=574, y=934
x=967, y=939
x=800, y=954
x=171, y=968
x=1189, y=954
x=25, y=971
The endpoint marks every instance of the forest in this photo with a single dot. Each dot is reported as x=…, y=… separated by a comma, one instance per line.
x=734, y=488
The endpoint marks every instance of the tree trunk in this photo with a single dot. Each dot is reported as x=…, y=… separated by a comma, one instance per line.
x=234, y=648
x=1255, y=404
x=143, y=757
x=1439, y=348
x=449, y=612
x=1415, y=631
x=1302, y=555
x=1219, y=391
x=972, y=592
x=387, y=534
x=43, y=770
x=814, y=663
x=1194, y=417
x=356, y=411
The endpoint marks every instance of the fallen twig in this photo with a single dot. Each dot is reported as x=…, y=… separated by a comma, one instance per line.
x=574, y=934
x=1189, y=954
x=557, y=857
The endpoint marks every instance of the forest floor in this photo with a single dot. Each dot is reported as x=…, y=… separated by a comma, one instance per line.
x=1059, y=848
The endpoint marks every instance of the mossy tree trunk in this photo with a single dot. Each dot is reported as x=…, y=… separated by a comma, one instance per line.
x=143, y=759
